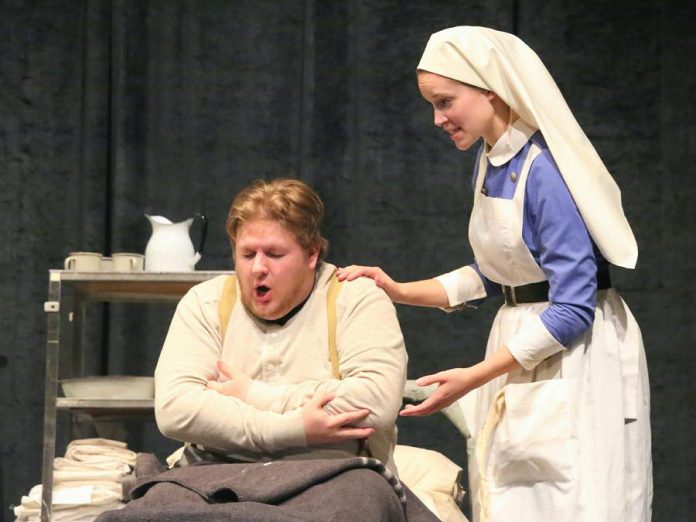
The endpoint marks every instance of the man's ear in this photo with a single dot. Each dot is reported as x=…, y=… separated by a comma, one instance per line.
x=313, y=257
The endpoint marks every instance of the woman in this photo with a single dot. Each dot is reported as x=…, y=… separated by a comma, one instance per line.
x=561, y=402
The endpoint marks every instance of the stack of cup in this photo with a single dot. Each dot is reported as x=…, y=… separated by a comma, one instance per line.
x=95, y=262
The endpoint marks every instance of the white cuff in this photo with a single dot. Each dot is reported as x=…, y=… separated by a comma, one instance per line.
x=533, y=344
x=462, y=285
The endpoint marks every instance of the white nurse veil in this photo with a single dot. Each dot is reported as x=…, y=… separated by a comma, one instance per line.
x=502, y=63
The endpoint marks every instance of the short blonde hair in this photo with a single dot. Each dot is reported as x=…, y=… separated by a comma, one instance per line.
x=290, y=202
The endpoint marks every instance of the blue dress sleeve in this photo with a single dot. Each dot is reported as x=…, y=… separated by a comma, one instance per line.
x=558, y=239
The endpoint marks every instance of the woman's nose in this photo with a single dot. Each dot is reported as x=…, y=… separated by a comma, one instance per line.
x=439, y=118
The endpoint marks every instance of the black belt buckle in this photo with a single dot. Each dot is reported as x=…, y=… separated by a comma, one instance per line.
x=510, y=297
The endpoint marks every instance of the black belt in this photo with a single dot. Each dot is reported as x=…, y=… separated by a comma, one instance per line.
x=539, y=292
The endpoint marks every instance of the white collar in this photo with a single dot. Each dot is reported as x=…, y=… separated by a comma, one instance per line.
x=510, y=143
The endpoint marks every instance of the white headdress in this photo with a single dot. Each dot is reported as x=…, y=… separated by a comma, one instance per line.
x=502, y=63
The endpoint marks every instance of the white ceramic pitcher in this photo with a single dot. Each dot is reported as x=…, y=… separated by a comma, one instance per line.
x=170, y=248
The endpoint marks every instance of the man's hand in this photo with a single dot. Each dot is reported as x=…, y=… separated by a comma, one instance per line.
x=323, y=428
x=231, y=383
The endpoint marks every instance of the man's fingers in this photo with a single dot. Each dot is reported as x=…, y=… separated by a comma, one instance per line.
x=322, y=400
x=349, y=417
x=225, y=369
x=355, y=433
x=214, y=385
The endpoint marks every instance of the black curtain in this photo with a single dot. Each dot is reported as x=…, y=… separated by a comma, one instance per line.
x=113, y=109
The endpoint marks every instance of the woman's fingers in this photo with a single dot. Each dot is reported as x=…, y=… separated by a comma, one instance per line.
x=354, y=271
x=427, y=407
x=427, y=380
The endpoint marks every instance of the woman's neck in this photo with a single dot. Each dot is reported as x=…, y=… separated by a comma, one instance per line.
x=503, y=117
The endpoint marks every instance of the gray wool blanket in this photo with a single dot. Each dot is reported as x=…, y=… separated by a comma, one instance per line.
x=353, y=488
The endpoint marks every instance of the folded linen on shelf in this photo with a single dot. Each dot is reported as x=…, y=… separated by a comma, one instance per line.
x=98, y=451
x=63, y=464
x=87, y=475
x=71, y=504
x=86, y=482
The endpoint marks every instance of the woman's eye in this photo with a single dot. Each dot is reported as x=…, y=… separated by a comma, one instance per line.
x=443, y=104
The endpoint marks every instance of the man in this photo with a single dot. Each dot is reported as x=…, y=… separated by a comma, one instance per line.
x=266, y=390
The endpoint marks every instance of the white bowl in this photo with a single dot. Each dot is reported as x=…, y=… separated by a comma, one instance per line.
x=109, y=387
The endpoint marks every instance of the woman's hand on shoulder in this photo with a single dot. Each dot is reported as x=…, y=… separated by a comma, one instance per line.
x=379, y=276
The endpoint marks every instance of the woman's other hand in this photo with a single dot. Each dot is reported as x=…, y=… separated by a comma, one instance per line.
x=452, y=384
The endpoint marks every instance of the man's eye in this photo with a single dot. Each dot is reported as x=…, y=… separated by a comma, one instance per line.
x=248, y=255
x=274, y=255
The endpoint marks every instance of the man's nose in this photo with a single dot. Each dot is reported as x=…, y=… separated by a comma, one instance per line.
x=259, y=265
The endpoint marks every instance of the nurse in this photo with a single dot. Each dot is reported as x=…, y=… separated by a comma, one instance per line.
x=560, y=404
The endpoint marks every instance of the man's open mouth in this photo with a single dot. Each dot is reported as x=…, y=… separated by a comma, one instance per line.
x=261, y=290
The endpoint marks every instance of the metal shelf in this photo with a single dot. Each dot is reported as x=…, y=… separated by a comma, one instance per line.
x=133, y=286
x=88, y=287
x=95, y=406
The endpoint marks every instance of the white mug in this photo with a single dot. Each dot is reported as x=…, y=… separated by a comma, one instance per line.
x=107, y=264
x=128, y=262
x=83, y=262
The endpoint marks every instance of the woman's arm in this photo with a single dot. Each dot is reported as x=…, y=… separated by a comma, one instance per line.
x=427, y=292
x=457, y=382
x=448, y=290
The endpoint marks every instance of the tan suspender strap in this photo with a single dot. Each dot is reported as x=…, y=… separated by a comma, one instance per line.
x=227, y=300
x=331, y=296
x=229, y=297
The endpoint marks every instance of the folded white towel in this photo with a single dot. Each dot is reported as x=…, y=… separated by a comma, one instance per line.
x=85, y=475
x=101, y=498
x=63, y=464
x=96, y=452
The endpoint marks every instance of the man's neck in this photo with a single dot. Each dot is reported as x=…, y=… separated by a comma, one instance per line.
x=282, y=320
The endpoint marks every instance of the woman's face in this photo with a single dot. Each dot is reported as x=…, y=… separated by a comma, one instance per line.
x=465, y=113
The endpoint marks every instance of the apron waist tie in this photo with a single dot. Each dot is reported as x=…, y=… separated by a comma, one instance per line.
x=539, y=292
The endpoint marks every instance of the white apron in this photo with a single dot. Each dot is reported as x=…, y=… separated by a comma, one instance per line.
x=572, y=441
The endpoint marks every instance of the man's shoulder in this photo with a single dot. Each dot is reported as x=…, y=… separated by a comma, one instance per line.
x=351, y=291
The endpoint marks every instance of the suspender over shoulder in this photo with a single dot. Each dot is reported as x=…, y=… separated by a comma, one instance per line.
x=229, y=298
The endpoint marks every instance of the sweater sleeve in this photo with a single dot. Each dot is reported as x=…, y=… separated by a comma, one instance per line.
x=186, y=410
x=372, y=361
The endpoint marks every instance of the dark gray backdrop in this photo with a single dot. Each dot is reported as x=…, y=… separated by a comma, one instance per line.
x=112, y=109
